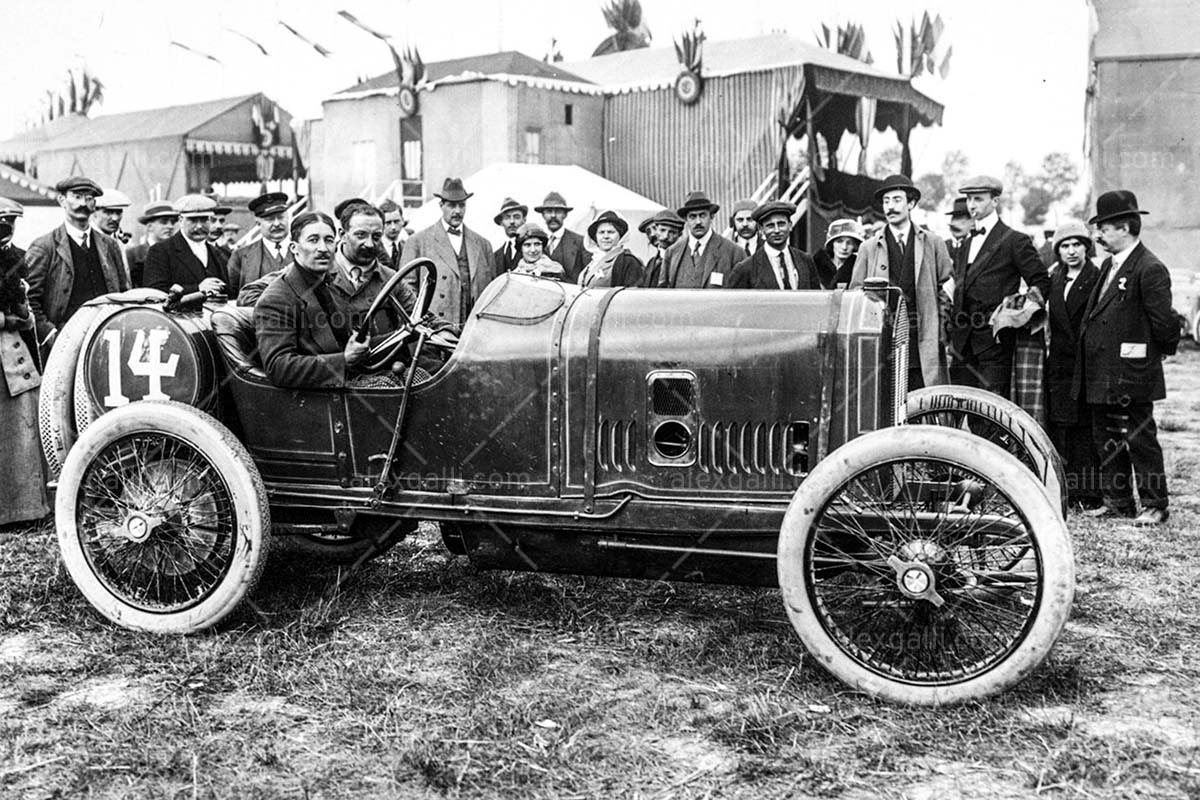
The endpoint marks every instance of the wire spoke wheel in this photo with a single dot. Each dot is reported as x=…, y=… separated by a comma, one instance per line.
x=162, y=518
x=925, y=565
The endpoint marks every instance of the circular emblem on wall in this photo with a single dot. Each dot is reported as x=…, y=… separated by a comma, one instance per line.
x=688, y=87
x=408, y=101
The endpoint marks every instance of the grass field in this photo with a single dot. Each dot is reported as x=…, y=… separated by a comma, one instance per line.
x=418, y=676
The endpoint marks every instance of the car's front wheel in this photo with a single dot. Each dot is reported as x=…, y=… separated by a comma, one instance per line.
x=926, y=566
x=162, y=518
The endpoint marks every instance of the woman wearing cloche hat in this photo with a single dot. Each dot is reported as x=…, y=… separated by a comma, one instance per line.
x=835, y=261
x=611, y=264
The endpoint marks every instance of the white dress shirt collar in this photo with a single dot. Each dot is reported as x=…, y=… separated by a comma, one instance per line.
x=703, y=241
x=1119, y=257
x=76, y=234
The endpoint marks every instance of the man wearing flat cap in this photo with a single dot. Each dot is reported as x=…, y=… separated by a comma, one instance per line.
x=229, y=236
x=566, y=247
x=775, y=265
x=73, y=263
x=1127, y=329
x=510, y=217
x=989, y=268
x=745, y=229
x=704, y=259
x=663, y=230
x=161, y=221
x=464, y=260
x=915, y=261
x=187, y=259
x=269, y=253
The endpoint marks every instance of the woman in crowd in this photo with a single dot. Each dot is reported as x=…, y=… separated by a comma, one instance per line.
x=835, y=261
x=612, y=264
x=531, y=241
x=22, y=483
x=1067, y=421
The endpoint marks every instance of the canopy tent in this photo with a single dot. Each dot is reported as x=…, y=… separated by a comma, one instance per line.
x=587, y=193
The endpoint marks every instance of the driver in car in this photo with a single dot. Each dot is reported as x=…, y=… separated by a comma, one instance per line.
x=307, y=320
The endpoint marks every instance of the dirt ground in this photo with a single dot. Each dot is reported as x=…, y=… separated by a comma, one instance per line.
x=418, y=676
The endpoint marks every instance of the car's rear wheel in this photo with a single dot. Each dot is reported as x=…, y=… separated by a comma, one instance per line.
x=162, y=518
x=924, y=565
x=999, y=421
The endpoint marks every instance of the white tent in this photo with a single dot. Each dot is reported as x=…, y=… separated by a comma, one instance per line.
x=588, y=194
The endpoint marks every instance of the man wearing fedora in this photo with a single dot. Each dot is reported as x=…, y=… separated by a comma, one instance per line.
x=745, y=229
x=990, y=267
x=464, y=259
x=663, y=230
x=188, y=259
x=161, y=221
x=703, y=259
x=775, y=265
x=566, y=247
x=73, y=263
x=960, y=226
x=1127, y=328
x=269, y=253
x=510, y=217
x=915, y=261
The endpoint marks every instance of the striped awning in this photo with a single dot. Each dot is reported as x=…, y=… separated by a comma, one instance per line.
x=234, y=148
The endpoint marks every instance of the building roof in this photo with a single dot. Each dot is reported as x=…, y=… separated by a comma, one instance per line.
x=154, y=123
x=657, y=67
x=32, y=140
x=506, y=63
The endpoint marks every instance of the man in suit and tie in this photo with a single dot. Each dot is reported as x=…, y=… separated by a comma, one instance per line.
x=663, y=230
x=775, y=265
x=960, y=227
x=1127, y=328
x=745, y=229
x=915, y=261
x=703, y=259
x=511, y=218
x=393, y=233
x=73, y=263
x=270, y=253
x=464, y=260
x=988, y=269
x=187, y=258
x=566, y=247
x=161, y=221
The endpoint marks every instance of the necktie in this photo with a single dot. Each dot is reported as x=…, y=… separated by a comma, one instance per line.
x=508, y=251
x=900, y=241
x=785, y=279
x=1113, y=269
x=86, y=240
x=696, y=252
x=454, y=231
x=749, y=252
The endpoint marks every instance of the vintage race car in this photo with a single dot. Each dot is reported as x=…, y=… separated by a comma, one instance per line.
x=744, y=437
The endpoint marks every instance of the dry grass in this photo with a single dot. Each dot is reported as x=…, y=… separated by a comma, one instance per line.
x=419, y=677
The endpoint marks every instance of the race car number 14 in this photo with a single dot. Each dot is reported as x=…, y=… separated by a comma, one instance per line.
x=145, y=361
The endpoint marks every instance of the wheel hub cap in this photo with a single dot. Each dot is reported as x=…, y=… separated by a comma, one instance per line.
x=138, y=527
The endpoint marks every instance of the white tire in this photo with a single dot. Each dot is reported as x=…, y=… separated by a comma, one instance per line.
x=56, y=403
x=162, y=518
x=925, y=566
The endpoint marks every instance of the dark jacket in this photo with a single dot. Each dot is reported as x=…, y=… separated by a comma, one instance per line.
x=626, y=271
x=135, y=259
x=502, y=261
x=828, y=272
x=1126, y=332
x=756, y=272
x=51, y=274
x=172, y=261
x=249, y=263
x=1005, y=258
x=572, y=254
x=1064, y=319
x=295, y=340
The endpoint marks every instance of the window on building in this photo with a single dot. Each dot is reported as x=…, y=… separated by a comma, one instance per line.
x=569, y=115
x=533, y=145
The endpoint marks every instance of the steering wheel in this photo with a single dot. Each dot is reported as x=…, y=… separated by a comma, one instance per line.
x=383, y=352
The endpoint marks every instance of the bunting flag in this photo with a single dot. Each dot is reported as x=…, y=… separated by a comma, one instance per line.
x=261, y=49
x=194, y=51
x=353, y=20
x=323, y=51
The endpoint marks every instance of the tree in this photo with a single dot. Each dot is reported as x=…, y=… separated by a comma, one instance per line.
x=1036, y=203
x=933, y=190
x=887, y=162
x=1059, y=176
x=624, y=18
x=1015, y=182
x=955, y=166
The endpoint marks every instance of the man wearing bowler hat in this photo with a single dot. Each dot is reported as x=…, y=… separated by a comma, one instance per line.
x=989, y=268
x=566, y=247
x=663, y=230
x=464, y=260
x=510, y=217
x=269, y=253
x=775, y=265
x=161, y=221
x=1127, y=328
x=915, y=261
x=187, y=259
x=703, y=259
x=73, y=263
